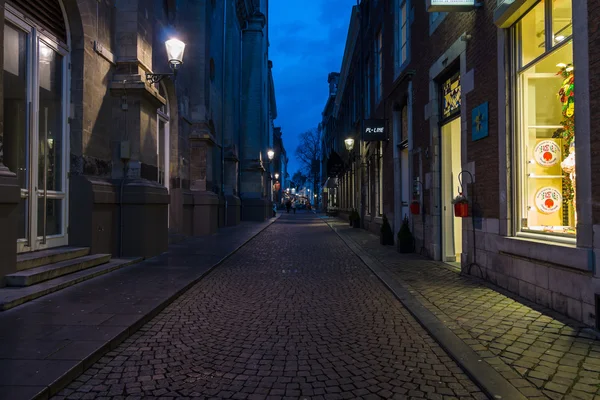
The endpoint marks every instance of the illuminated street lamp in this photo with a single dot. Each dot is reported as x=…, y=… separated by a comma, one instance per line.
x=276, y=175
x=349, y=144
x=175, y=50
x=270, y=154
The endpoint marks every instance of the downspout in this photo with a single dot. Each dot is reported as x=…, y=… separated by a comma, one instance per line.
x=223, y=109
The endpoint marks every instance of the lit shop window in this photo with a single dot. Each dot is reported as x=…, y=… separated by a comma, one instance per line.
x=546, y=115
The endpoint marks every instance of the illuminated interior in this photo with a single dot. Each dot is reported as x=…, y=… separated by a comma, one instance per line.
x=546, y=130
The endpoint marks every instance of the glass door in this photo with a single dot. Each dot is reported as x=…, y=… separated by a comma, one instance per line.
x=35, y=145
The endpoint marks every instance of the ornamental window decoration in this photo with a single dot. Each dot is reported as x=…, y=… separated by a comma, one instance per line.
x=451, y=96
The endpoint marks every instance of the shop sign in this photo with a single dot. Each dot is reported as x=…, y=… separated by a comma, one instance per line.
x=480, y=127
x=548, y=200
x=374, y=130
x=451, y=5
x=546, y=153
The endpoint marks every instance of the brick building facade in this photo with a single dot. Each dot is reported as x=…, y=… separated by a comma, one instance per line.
x=97, y=155
x=478, y=101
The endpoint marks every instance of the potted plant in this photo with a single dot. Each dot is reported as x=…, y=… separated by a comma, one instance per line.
x=461, y=206
x=355, y=219
x=386, y=236
x=406, y=241
x=351, y=216
x=415, y=207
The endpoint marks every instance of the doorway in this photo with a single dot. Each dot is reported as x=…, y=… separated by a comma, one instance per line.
x=35, y=139
x=450, y=168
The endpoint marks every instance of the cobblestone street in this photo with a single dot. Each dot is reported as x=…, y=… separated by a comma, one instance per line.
x=293, y=314
x=540, y=352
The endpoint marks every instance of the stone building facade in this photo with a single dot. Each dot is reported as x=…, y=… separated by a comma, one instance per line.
x=95, y=154
x=479, y=101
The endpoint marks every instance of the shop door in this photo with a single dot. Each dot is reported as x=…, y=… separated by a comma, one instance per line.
x=35, y=145
x=451, y=167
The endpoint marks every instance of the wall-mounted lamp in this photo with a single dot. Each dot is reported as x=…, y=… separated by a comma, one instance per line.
x=349, y=144
x=175, y=50
x=276, y=176
x=270, y=154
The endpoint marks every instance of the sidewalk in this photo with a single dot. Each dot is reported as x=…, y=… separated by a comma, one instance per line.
x=539, y=352
x=48, y=342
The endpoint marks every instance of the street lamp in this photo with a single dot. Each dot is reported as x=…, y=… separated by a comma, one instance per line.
x=270, y=154
x=276, y=175
x=349, y=144
x=175, y=50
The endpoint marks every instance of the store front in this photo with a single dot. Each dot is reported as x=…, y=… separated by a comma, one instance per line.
x=544, y=121
x=36, y=145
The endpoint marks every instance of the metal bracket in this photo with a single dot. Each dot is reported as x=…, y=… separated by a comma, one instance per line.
x=155, y=78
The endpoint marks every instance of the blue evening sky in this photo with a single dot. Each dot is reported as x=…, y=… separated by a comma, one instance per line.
x=307, y=43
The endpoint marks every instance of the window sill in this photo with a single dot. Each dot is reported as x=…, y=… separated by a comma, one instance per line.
x=555, y=252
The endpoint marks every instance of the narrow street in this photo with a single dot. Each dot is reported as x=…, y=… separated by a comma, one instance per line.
x=293, y=314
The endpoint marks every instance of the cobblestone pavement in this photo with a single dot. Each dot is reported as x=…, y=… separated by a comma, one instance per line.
x=540, y=355
x=293, y=314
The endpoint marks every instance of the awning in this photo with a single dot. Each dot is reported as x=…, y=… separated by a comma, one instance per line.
x=331, y=183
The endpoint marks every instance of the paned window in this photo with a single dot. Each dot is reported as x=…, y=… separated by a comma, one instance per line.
x=545, y=131
x=402, y=33
x=378, y=66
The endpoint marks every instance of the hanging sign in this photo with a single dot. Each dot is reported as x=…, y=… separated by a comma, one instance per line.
x=450, y=5
x=546, y=153
x=548, y=200
x=374, y=130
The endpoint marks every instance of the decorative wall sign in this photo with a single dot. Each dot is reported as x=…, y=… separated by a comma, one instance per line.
x=480, y=124
x=547, y=153
x=374, y=130
x=450, y=5
x=451, y=96
x=548, y=200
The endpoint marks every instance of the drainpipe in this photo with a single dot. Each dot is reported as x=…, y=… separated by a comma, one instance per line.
x=224, y=53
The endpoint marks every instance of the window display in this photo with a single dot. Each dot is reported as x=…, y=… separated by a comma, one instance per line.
x=546, y=129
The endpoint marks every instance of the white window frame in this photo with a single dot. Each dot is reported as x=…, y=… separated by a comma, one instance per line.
x=380, y=177
x=35, y=34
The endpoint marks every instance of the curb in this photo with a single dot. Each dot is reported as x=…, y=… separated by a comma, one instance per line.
x=112, y=344
x=487, y=378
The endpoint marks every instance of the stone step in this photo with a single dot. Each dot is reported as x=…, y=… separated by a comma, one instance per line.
x=50, y=256
x=13, y=296
x=46, y=272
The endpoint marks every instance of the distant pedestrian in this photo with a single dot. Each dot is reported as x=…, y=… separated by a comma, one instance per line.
x=294, y=206
x=288, y=205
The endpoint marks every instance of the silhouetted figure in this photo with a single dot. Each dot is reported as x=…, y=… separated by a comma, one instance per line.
x=288, y=205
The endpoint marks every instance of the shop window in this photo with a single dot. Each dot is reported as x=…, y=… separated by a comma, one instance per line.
x=545, y=178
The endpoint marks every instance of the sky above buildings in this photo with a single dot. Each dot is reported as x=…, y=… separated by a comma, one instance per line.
x=307, y=43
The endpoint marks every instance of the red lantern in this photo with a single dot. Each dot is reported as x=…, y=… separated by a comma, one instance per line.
x=461, y=210
x=415, y=208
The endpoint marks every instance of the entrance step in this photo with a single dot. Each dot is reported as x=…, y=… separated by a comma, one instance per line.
x=32, y=276
x=13, y=296
x=43, y=257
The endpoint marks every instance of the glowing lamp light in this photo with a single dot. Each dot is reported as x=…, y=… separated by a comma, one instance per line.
x=276, y=176
x=270, y=154
x=175, y=50
x=349, y=144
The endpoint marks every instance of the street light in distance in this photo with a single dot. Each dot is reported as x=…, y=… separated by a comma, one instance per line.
x=349, y=144
x=270, y=154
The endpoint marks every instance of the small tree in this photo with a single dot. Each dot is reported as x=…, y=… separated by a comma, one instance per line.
x=386, y=236
x=406, y=240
